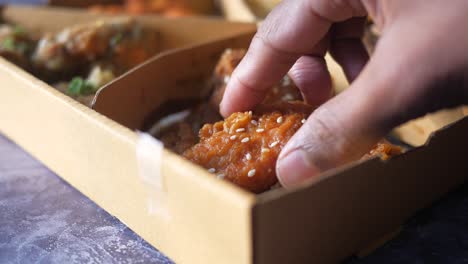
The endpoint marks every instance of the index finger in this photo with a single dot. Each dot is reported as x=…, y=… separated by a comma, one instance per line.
x=292, y=29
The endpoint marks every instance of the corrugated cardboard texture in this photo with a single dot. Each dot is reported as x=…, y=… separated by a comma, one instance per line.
x=337, y=214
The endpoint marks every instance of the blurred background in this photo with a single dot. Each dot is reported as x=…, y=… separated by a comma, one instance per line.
x=240, y=10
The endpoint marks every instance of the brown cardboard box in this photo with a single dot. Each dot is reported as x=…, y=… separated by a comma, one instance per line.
x=184, y=211
x=331, y=217
x=97, y=156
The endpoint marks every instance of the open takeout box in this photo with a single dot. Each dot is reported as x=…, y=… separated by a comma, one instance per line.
x=184, y=211
x=333, y=216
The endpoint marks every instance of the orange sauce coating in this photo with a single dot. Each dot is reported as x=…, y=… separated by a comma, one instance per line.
x=244, y=147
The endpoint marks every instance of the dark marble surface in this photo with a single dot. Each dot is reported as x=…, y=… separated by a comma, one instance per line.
x=45, y=220
x=438, y=234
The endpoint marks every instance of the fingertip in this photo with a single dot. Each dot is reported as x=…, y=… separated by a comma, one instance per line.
x=229, y=102
x=224, y=108
x=233, y=97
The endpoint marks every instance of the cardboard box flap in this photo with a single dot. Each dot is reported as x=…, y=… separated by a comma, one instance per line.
x=181, y=74
x=344, y=210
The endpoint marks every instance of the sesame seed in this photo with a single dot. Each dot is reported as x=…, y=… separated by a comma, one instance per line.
x=248, y=156
x=245, y=140
x=286, y=81
x=303, y=121
x=240, y=130
x=260, y=130
x=279, y=120
x=264, y=150
x=274, y=144
x=233, y=137
x=254, y=122
x=250, y=112
x=220, y=176
x=211, y=170
x=251, y=173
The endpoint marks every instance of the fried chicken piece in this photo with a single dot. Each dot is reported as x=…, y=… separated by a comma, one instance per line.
x=244, y=148
x=282, y=92
x=119, y=43
x=16, y=45
x=384, y=150
x=179, y=131
x=178, y=137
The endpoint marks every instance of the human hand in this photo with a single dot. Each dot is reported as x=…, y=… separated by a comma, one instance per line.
x=420, y=65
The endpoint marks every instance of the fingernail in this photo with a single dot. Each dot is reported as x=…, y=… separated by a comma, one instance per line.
x=295, y=168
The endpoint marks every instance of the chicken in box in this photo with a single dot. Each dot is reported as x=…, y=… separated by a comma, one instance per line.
x=178, y=206
x=243, y=148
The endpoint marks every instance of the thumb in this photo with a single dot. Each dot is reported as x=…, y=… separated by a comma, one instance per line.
x=395, y=86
